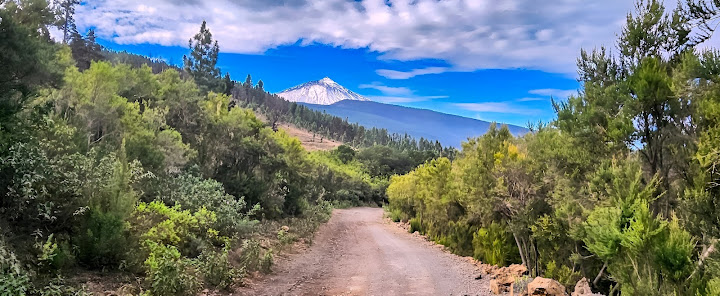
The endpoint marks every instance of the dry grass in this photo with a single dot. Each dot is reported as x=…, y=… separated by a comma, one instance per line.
x=305, y=137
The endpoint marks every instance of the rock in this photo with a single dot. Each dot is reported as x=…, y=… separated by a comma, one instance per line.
x=285, y=228
x=517, y=269
x=498, y=288
x=545, y=287
x=582, y=288
x=503, y=278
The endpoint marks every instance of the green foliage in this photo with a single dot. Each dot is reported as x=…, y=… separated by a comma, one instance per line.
x=267, y=262
x=193, y=193
x=344, y=153
x=492, y=245
x=416, y=225
x=217, y=270
x=563, y=274
x=104, y=242
x=250, y=257
x=14, y=279
x=170, y=274
x=201, y=64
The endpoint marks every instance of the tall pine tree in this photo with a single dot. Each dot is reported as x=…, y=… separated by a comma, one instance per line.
x=201, y=64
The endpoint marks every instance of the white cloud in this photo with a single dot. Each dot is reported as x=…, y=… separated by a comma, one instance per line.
x=531, y=99
x=466, y=34
x=558, y=93
x=393, y=74
x=496, y=107
x=395, y=95
x=410, y=99
x=388, y=90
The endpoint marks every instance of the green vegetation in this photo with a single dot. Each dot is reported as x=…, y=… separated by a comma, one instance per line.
x=621, y=188
x=116, y=162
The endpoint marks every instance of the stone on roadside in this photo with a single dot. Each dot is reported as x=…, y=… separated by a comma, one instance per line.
x=503, y=278
x=582, y=288
x=545, y=287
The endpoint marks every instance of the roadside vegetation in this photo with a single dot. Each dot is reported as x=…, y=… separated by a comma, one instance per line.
x=622, y=188
x=117, y=164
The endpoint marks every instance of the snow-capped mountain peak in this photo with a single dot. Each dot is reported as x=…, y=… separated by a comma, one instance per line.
x=321, y=92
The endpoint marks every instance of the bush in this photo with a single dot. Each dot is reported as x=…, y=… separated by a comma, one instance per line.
x=416, y=225
x=216, y=269
x=104, y=242
x=189, y=232
x=397, y=215
x=250, y=256
x=193, y=193
x=267, y=262
x=170, y=274
x=285, y=237
x=563, y=274
x=492, y=245
x=14, y=280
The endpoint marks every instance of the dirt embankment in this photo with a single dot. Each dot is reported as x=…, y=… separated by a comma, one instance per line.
x=359, y=253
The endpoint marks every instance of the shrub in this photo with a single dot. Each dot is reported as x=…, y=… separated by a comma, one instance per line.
x=57, y=287
x=53, y=256
x=285, y=237
x=250, y=256
x=267, y=262
x=170, y=274
x=562, y=274
x=14, y=280
x=193, y=193
x=189, y=232
x=492, y=245
x=216, y=269
x=416, y=225
x=397, y=215
x=104, y=241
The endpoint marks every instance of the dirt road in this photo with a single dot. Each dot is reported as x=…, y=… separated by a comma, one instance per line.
x=358, y=253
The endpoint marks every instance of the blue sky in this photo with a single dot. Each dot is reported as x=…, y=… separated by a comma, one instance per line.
x=490, y=60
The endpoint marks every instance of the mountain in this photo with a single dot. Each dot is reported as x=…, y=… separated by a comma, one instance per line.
x=450, y=130
x=321, y=92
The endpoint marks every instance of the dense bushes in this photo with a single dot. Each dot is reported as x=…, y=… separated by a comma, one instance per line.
x=117, y=167
x=620, y=188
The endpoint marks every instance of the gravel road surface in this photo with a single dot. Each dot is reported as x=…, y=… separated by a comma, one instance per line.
x=359, y=253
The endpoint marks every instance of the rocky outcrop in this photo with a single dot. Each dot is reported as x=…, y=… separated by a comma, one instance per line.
x=502, y=279
x=545, y=287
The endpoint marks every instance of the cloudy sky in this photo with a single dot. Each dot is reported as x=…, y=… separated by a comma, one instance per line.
x=495, y=60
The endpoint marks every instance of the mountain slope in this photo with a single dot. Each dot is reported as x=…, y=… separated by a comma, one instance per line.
x=449, y=129
x=321, y=92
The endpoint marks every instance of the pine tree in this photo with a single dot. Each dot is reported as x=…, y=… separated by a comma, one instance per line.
x=66, y=20
x=248, y=82
x=201, y=64
x=228, y=84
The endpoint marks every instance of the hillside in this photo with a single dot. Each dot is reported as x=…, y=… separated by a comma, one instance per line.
x=310, y=141
x=450, y=130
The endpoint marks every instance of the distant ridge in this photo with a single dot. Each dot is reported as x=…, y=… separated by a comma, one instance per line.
x=320, y=92
x=450, y=130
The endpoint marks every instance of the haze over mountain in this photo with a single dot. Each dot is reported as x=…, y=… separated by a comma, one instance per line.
x=320, y=92
x=329, y=96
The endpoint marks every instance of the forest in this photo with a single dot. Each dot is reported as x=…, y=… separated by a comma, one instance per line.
x=621, y=188
x=123, y=166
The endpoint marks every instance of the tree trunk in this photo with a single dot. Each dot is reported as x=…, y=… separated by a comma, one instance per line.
x=597, y=278
x=520, y=249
